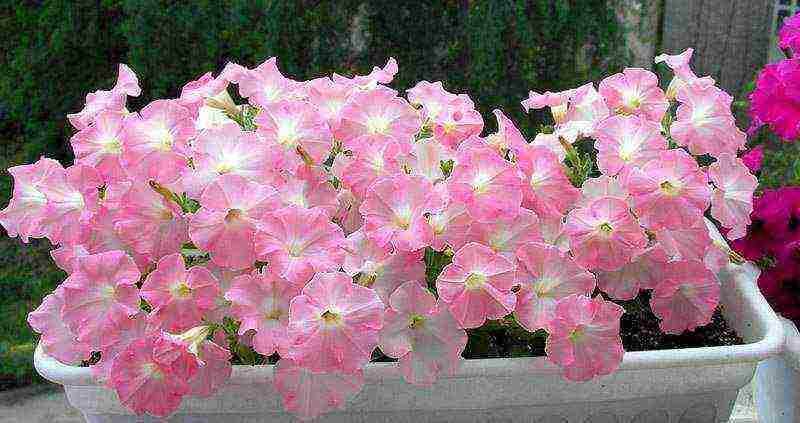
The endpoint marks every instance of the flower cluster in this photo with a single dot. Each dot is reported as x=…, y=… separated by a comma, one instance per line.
x=773, y=241
x=775, y=101
x=297, y=225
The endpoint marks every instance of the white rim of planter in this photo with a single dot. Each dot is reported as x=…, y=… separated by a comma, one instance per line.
x=767, y=340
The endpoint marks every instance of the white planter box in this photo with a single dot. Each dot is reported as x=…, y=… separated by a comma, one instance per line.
x=777, y=382
x=670, y=386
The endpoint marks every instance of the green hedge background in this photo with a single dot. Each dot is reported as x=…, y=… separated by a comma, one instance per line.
x=56, y=51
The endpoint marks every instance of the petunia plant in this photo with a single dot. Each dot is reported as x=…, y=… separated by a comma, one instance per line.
x=318, y=225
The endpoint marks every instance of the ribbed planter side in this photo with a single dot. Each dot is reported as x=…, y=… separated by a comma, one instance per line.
x=777, y=382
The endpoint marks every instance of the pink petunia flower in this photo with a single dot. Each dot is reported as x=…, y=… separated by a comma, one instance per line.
x=433, y=98
x=545, y=276
x=378, y=75
x=704, y=121
x=179, y=297
x=394, y=211
x=421, y=333
x=23, y=215
x=670, y=191
x=378, y=111
x=546, y=188
x=552, y=142
x=122, y=331
x=602, y=186
x=552, y=230
x=643, y=272
x=226, y=222
x=732, y=198
x=489, y=186
x=378, y=267
x=72, y=198
x=586, y=109
x=101, y=235
x=359, y=172
x=152, y=225
x=213, y=371
x=685, y=243
x=102, y=288
x=309, y=394
x=477, y=285
x=156, y=141
x=329, y=98
x=507, y=137
x=261, y=301
x=604, y=235
x=100, y=146
x=684, y=74
x=584, y=337
x=195, y=93
x=228, y=150
x=635, y=91
x=686, y=297
x=505, y=236
x=625, y=141
x=334, y=324
x=297, y=242
x=309, y=187
x=557, y=102
x=450, y=226
x=297, y=129
x=57, y=339
x=263, y=86
x=457, y=122
x=102, y=101
x=151, y=375
x=427, y=158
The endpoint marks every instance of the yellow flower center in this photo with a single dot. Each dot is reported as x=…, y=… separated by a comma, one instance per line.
x=416, y=321
x=669, y=189
x=331, y=318
x=378, y=125
x=475, y=281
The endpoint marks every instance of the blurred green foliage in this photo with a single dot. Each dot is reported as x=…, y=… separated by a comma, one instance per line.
x=56, y=51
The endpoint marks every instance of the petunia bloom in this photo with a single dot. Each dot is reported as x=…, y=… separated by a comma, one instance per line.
x=297, y=129
x=298, y=242
x=489, y=186
x=334, y=324
x=476, y=286
x=57, y=339
x=179, y=297
x=378, y=111
x=545, y=276
x=422, y=334
x=102, y=101
x=775, y=101
x=584, y=337
x=643, y=272
x=686, y=297
x=505, y=236
x=546, y=188
x=263, y=86
x=23, y=215
x=226, y=222
x=260, y=301
x=625, y=141
x=635, y=91
x=704, y=121
x=72, y=198
x=679, y=63
x=308, y=394
x=670, y=191
x=100, y=146
x=394, y=211
x=732, y=198
x=604, y=235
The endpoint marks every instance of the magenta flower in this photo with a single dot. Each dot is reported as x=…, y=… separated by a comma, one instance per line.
x=705, y=123
x=421, y=333
x=23, y=215
x=100, y=146
x=156, y=141
x=754, y=158
x=377, y=111
x=732, y=198
x=489, y=186
x=299, y=242
x=394, y=211
x=635, y=91
x=152, y=225
x=263, y=86
x=505, y=236
x=296, y=127
x=102, y=288
x=546, y=188
x=179, y=297
x=380, y=268
x=309, y=394
x=603, y=235
x=260, y=301
x=225, y=225
x=627, y=141
x=545, y=276
x=670, y=191
x=151, y=375
x=584, y=337
x=643, y=272
x=476, y=286
x=57, y=339
x=686, y=297
x=776, y=98
x=789, y=35
x=334, y=324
